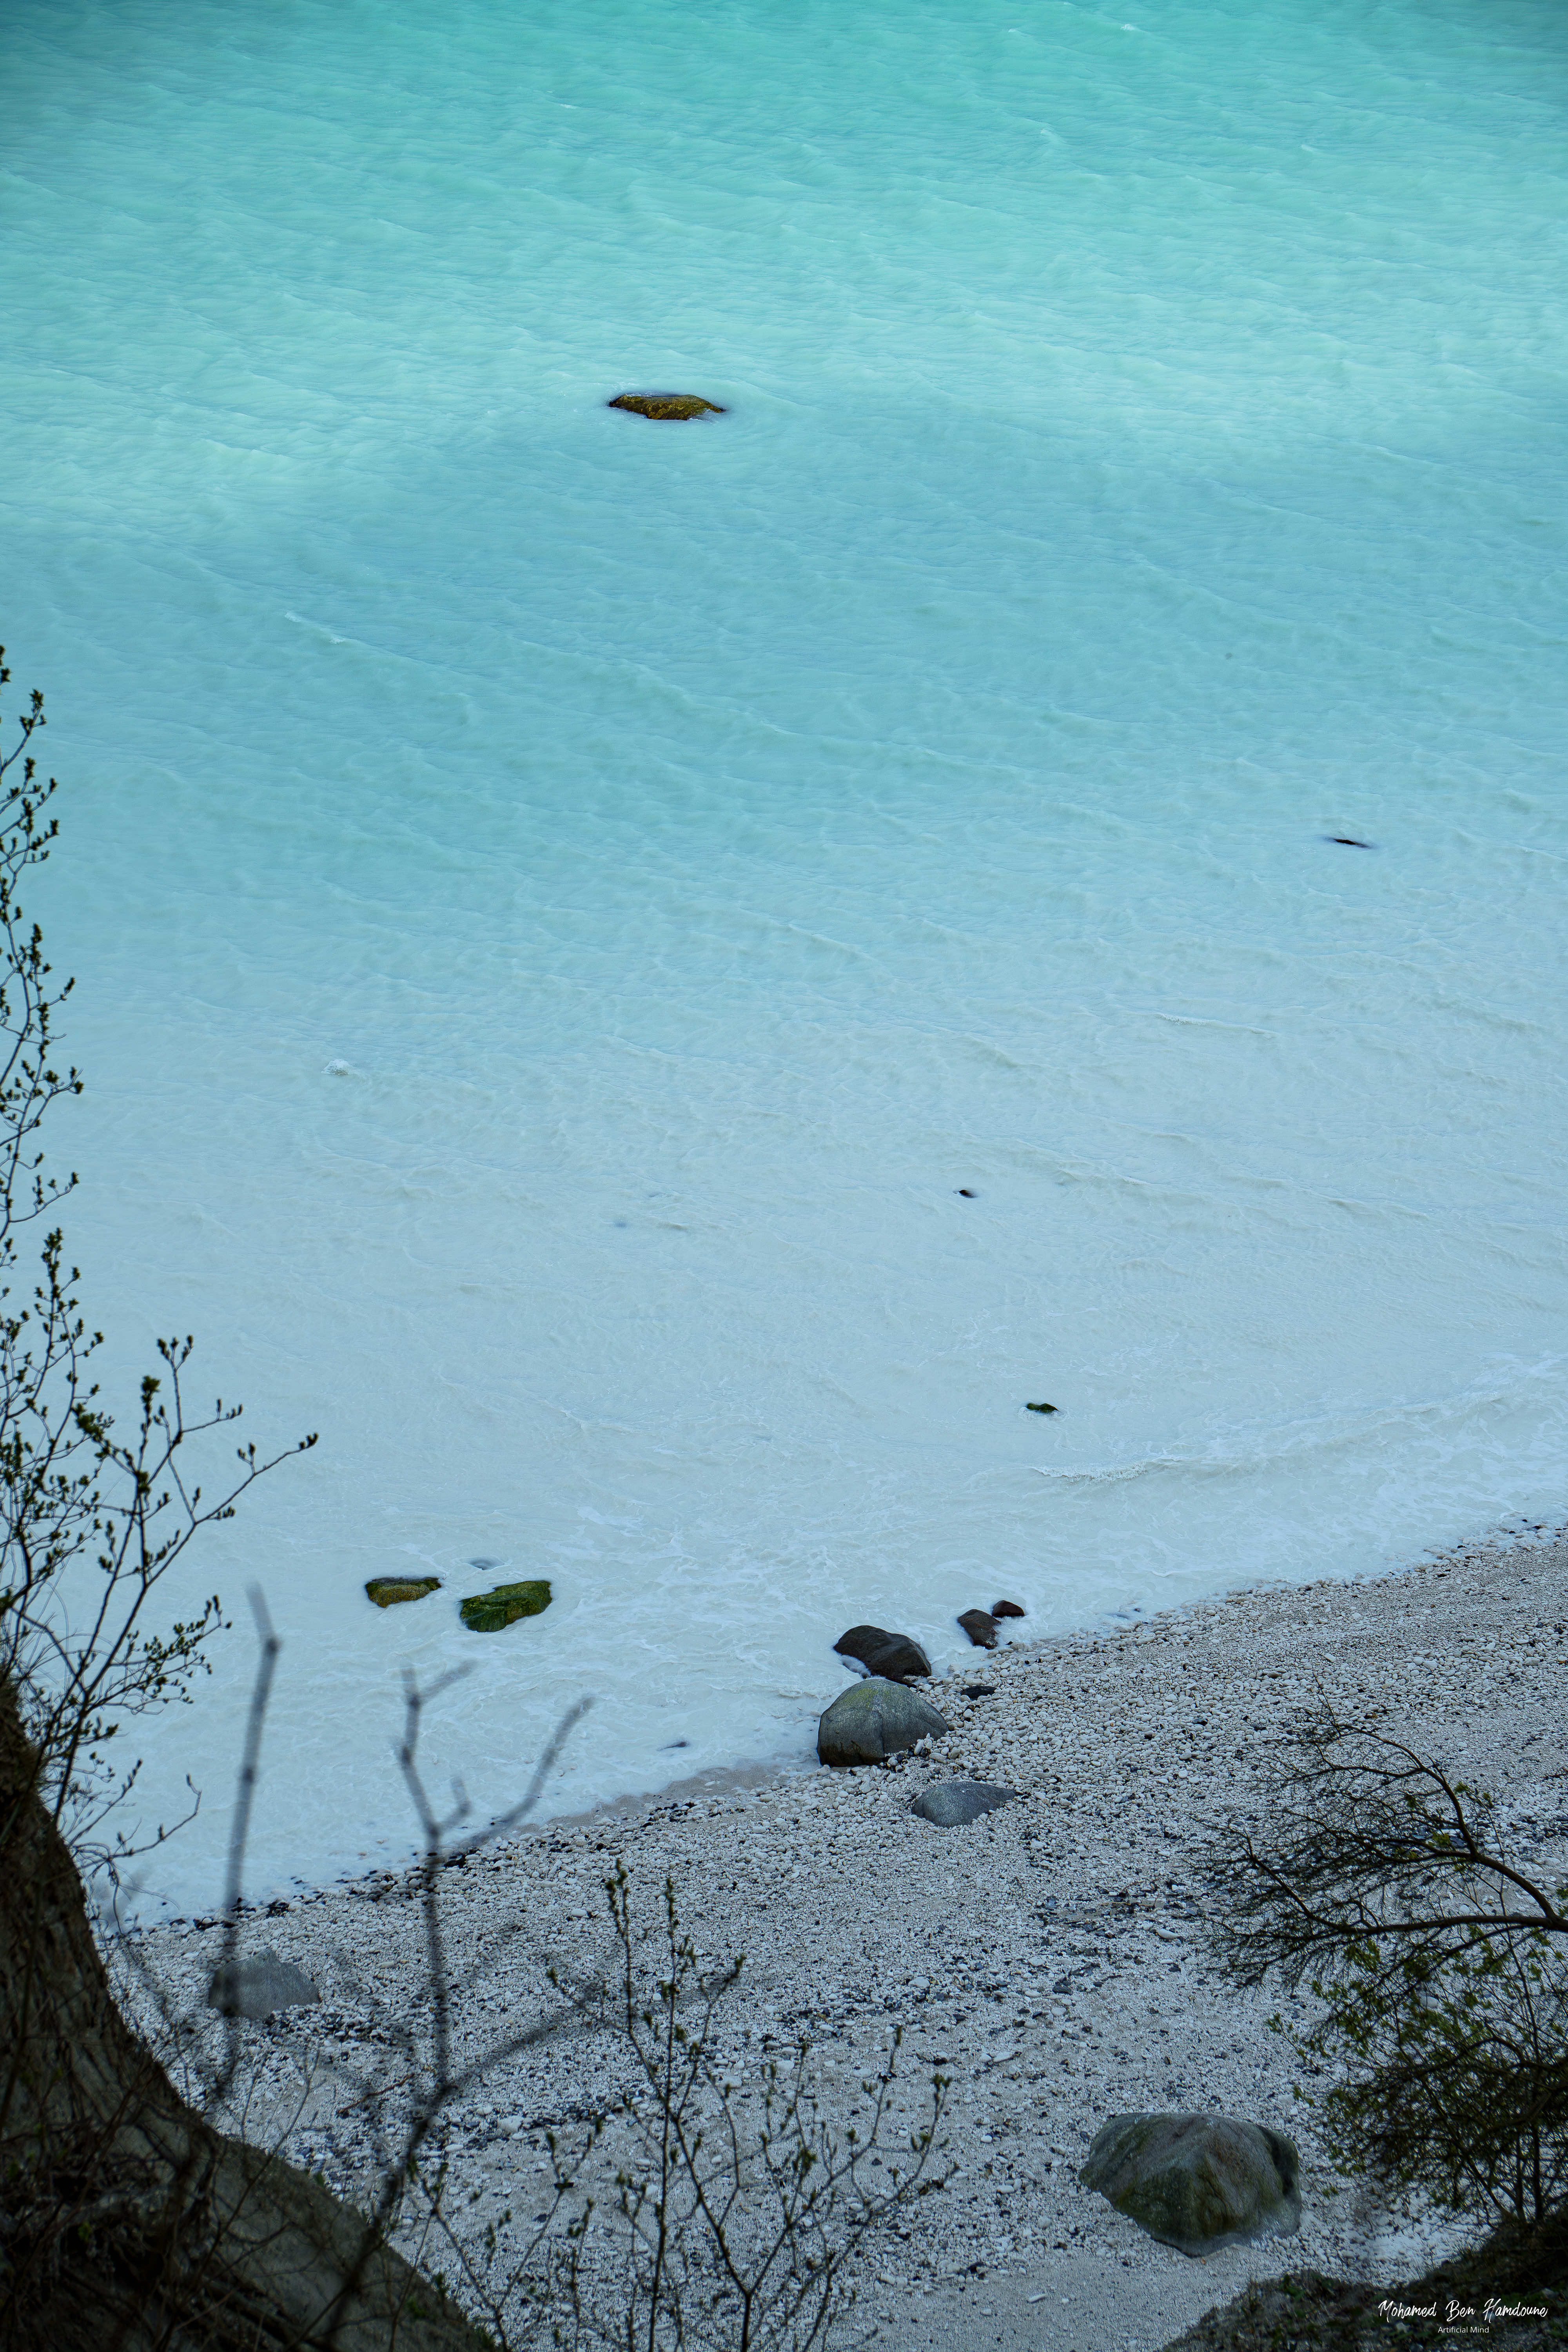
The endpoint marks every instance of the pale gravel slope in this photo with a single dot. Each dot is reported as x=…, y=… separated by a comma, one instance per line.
x=1051, y=1955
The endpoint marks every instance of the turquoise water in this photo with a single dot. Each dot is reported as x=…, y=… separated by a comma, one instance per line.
x=562, y=903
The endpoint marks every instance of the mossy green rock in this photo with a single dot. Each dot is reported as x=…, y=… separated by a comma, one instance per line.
x=1197, y=2182
x=388, y=1591
x=873, y=1719
x=666, y=405
x=492, y=1612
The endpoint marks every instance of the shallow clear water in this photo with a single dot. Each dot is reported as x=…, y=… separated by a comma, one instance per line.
x=562, y=903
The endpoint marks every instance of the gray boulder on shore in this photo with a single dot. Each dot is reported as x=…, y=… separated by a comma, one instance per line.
x=1197, y=2182
x=956, y=1803
x=257, y=1986
x=874, y=1720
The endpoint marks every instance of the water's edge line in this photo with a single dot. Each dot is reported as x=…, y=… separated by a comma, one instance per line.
x=1497, y=1543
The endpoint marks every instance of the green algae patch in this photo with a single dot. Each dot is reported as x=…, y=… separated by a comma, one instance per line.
x=666, y=405
x=388, y=1591
x=492, y=1612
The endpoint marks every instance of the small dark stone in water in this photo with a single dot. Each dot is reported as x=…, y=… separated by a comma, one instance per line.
x=964, y=1194
x=1042, y=1408
x=666, y=405
x=484, y=1563
x=1346, y=840
x=1006, y=1609
x=678, y=1743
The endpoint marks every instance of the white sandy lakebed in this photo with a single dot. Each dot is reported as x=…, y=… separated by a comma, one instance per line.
x=1050, y=1960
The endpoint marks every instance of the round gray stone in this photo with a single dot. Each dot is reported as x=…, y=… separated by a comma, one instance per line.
x=873, y=1719
x=956, y=1803
x=254, y=1988
x=1197, y=2182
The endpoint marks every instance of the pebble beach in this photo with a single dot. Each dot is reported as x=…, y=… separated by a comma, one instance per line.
x=1050, y=1960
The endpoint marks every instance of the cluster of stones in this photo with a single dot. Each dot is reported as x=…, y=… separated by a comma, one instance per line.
x=880, y=1715
x=1196, y=2182
x=481, y=1612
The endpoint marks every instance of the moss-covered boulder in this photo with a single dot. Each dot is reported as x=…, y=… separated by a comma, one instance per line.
x=875, y=1719
x=388, y=1591
x=492, y=1612
x=666, y=405
x=1197, y=2182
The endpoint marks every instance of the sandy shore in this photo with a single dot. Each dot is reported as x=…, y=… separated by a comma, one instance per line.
x=1050, y=1958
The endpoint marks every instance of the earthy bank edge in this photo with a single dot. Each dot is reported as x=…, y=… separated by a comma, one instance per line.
x=1509, y=2295
x=1050, y=1958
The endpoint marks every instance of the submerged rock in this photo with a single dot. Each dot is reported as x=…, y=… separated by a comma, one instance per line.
x=1197, y=2182
x=256, y=1986
x=980, y=1627
x=874, y=1720
x=956, y=1803
x=388, y=1591
x=666, y=405
x=491, y=1612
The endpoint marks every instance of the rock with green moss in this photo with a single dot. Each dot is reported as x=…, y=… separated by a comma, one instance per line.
x=388, y=1591
x=492, y=1612
x=874, y=1720
x=1197, y=2182
x=666, y=405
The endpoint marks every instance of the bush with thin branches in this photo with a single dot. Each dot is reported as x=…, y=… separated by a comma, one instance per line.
x=1439, y=1961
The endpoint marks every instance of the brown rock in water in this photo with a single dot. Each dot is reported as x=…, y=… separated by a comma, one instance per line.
x=980, y=1627
x=666, y=405
x=1006, y=1609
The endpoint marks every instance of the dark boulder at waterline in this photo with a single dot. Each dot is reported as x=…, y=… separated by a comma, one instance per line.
x=491, y=1612
x=956, y=1803
x=980, y=1627
x=892, y=1655
x=666, y=406
x=874, y=1720
x=1006, y=1609
x=386, y=1592
x=1197, y=2182
x=862, y=1640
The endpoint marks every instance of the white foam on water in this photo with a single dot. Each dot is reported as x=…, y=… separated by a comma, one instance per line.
x=563, y=904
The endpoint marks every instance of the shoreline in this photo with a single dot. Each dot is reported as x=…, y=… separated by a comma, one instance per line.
x=718, y=1779
x=1051, y=1957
